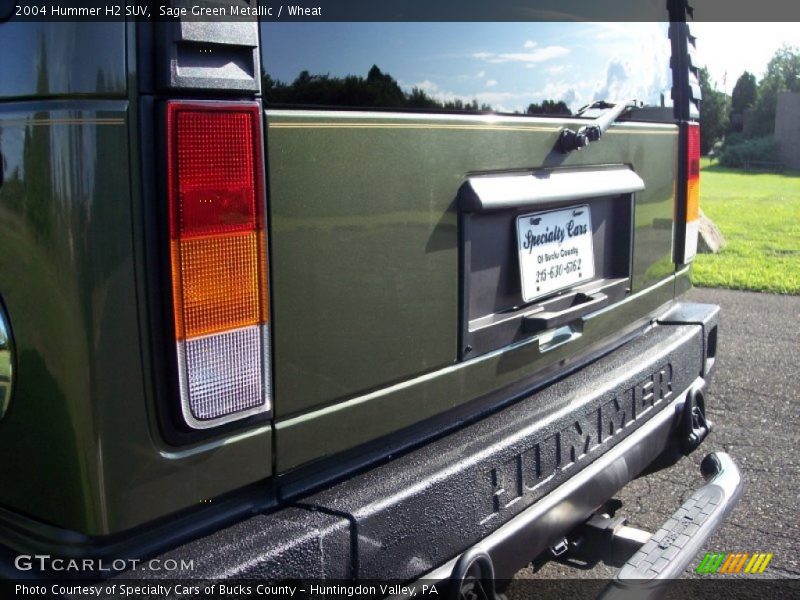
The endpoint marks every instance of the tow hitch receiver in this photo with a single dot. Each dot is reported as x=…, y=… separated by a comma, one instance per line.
x=602, y=537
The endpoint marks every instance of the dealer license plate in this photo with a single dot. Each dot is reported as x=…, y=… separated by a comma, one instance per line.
x=555, y=250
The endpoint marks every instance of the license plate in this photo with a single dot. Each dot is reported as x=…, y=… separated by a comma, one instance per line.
x=555, y=250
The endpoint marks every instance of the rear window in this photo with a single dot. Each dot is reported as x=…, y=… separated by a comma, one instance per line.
x=546, y=68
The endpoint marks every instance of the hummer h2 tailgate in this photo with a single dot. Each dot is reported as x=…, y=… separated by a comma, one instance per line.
x=427, y=255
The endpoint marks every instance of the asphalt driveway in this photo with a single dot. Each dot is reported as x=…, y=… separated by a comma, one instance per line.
x=755, y=406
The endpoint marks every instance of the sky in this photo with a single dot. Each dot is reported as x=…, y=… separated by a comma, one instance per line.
x=506, y=65
x=509, y=65
x=728, y=49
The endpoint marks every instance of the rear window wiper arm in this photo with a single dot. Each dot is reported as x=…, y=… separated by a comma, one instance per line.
x=569, y=140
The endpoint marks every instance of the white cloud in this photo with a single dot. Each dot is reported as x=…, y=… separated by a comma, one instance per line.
x=643, y=77
x=570, y=97
x=480, y=75
x=427, y=86
x=615, y=86
x=536, y=56
x=497, y=98
x=554, y=91
x=491, y=82
x=438, y=93
x=500, y=101
x=530, y=44
x=556, y=70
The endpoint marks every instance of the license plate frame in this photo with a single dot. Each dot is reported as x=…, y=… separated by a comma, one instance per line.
x=555, y=250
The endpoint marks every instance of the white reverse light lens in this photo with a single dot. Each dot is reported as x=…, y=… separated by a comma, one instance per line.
x=222, y=376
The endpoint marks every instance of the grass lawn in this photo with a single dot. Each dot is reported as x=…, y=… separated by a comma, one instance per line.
x=759, y=216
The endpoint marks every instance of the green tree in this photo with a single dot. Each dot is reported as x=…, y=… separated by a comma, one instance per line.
x=715, y=107
x=744, y=93
x=378, y=89
x=783, y=75
x=419, y=99
x=549, y=107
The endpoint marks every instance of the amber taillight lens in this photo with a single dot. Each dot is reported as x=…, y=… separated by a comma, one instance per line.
x=218, y=260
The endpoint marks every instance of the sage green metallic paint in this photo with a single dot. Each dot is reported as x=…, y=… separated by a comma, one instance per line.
x=80, y=448
x=39, y=59
x=80, y=444
x=330, y=430
x=365, y=266
x=6, y=362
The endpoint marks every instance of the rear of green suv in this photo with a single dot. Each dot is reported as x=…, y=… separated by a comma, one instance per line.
x=368, y=306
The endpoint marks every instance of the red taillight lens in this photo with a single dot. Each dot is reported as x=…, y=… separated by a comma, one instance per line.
x=693, y=173
x=214, y=181
x=218, y=259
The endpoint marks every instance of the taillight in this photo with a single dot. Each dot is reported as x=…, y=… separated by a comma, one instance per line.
x=218, y=260
x=692, y=192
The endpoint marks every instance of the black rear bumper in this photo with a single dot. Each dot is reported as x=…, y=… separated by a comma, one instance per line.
x=559, y=454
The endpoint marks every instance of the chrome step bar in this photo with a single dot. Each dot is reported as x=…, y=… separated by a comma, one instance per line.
x=671, y=549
